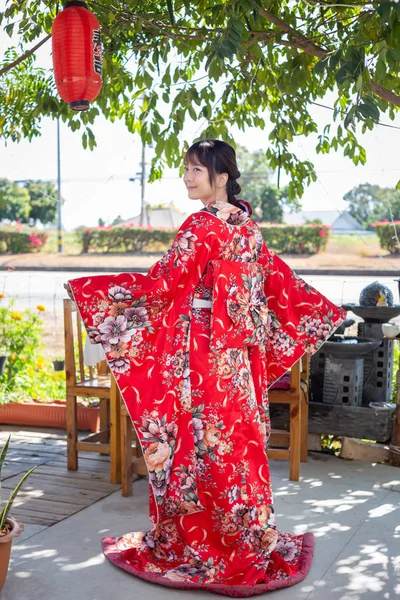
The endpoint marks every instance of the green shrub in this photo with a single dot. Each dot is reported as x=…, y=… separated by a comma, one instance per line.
x=17, y=239
x=26, y=374
x=300, y=239
x=123, y=239
x=388, y=234
x=295, y=239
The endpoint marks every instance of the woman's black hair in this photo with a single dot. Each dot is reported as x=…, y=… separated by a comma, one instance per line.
x=218, y=157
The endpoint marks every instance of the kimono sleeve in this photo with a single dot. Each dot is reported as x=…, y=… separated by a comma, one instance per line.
x=300, y=319
x=143, y=324
x=115, y=306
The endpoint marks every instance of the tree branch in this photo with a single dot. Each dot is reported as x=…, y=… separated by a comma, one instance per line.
x=299, y=40
x=24, y=56
x=303, y=43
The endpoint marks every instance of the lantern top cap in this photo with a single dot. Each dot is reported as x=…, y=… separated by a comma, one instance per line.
x=74, y=3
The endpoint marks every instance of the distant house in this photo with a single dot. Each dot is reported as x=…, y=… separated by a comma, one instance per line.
x=158, y=217
x=339, y=222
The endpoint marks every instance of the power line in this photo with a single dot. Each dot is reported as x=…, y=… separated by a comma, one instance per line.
x=128, y=177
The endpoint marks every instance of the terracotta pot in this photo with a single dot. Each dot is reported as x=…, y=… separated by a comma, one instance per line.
x=5, y=547
x=39, y=414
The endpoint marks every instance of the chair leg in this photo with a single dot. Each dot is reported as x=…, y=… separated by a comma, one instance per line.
x=126, y=456
x=105, y=418
x=304, y=428
x=115, y=433
x=294, y=453
x=72, y=432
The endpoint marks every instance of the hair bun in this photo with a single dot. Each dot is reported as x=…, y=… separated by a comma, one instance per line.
x=234, y=187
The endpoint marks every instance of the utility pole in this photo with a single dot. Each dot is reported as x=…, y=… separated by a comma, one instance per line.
x=59, y=219
x=141, y=175
x=142, y=182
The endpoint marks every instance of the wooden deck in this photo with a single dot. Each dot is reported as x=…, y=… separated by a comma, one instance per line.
x=51, y=493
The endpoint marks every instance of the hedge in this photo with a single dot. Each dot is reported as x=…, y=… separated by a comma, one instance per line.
x=19, y=239
x=388, y=233
x=299, y=239
x=295, y=239
x=127, y=239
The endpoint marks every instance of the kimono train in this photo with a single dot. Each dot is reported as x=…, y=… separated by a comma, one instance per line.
x=194, y=346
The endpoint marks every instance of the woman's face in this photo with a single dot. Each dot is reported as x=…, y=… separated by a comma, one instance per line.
x=198, y=184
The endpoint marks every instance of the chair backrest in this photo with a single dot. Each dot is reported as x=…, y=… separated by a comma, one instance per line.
x=76, y=371
x=305, y=369
x=299, y=372
x=295, y=376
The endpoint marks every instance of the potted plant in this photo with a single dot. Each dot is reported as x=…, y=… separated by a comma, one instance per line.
x=10, y=528
x=58, y=363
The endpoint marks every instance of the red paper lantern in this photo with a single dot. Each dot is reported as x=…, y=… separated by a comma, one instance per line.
x=77, y=56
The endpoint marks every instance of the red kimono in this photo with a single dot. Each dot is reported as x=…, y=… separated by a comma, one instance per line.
x=195, y=381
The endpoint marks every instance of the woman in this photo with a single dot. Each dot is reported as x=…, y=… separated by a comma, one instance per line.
x=194, y=346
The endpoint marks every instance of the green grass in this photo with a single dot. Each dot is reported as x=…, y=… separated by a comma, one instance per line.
x=352, y=244
x=70, y=245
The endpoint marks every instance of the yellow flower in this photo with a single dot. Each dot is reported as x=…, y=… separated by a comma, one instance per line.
x=41, y=308
x=2, y=295
x=13, y=356
x=16, y=315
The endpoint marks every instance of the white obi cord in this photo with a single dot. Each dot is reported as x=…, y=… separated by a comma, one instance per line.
x=200, y=303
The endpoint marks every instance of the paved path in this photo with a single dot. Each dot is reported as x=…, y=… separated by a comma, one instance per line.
x=353, y=508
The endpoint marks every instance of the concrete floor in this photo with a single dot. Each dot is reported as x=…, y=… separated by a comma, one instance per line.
x=353, y=508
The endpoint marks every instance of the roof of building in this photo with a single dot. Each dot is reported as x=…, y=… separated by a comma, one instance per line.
x=159, y=217
x=338, y=220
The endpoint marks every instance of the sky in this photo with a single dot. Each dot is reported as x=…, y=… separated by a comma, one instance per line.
x=96, y=184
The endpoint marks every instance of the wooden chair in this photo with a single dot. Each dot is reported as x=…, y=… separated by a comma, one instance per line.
x=90, y=382
x=296, y=439
x=130, y=448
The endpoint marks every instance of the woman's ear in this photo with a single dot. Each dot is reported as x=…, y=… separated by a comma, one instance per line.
x=222, y=179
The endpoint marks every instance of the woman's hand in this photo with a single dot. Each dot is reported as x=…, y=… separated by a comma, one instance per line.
x=69, y=291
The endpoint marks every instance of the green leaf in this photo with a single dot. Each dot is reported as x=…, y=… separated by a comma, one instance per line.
x=9, y=503
x=369, y=111
x=209, y=59
x=349, y=117
x=256, y=51
x=321, y=64
x=335, y=59
x=359, y=82
x=171, y=12
x=3, y=452
x=342, y=74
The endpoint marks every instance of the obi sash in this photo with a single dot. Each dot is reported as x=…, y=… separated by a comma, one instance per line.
x=239, y=314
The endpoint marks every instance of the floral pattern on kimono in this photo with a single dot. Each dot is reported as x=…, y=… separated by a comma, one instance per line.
x=200, y=409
